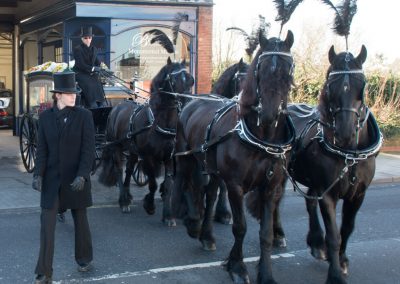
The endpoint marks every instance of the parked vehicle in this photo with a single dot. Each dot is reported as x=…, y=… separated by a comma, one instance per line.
x=6, y=109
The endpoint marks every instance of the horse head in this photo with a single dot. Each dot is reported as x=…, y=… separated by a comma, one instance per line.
x=172, y=78
x=342, y=104
x=231, y=81
x=269, y=79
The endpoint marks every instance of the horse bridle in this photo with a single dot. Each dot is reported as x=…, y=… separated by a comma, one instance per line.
x=169, y=77
x=237, y=78
x=287, y=56
x=336, y=74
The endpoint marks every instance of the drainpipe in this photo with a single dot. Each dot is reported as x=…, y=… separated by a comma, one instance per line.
x=17, y=90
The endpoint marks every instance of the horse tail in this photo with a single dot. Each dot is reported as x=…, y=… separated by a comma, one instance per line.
x=109, y=170
x=254, y=203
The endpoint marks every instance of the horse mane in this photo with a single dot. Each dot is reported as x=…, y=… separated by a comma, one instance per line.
x=156, y=85
x=247, y=101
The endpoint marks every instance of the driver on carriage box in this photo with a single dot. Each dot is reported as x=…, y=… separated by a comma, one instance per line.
x=87, y=68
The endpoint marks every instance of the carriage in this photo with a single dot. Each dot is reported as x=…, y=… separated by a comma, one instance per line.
x=39, y=98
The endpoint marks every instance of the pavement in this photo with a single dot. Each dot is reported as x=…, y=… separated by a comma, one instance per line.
x=16, y=191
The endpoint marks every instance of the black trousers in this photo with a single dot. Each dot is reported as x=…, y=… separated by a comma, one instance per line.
x=83, y=239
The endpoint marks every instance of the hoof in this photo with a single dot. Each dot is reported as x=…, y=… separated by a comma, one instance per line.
x=169, y=222
x=208, y=245
x=150, y=209
x=193, y=227
x=338, y=279
x=279, y=242
x=345, y=268
x=61, y=217
x=223, y=219
x=148, y=205
x=238, y=279
x=126, y=209
x=266, y=281
x=237, y=270
x=318, y=254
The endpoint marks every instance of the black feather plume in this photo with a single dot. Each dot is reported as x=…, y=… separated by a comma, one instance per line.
x=344, y=15
x=285, y=10
x=179, y=17
x=161, y=38
x=253, y=38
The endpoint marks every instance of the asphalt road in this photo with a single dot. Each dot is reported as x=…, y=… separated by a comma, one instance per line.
x=136, y=248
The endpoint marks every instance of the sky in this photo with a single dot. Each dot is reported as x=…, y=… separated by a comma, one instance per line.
x=375, y=24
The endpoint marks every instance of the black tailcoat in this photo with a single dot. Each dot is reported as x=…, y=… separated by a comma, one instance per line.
x=63, y=154
x=85, y=58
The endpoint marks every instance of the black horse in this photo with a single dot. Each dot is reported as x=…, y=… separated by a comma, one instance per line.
x=231, y=81
x=335, y=158
x=247, y=145
x=229, y=84
x=146, y=131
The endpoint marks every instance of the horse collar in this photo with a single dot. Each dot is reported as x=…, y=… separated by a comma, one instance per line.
x=276, y=150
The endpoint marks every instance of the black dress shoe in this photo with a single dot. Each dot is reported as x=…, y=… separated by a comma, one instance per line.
x=43, y=279
x=84, y=267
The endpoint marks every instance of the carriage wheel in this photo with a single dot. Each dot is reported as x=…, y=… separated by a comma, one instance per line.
x=140, y=178
x=28, y=142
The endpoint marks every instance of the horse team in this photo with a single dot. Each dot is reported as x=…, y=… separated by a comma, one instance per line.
x=251, y=145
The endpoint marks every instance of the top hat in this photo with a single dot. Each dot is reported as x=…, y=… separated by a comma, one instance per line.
x=64, y=82
x=86, y=31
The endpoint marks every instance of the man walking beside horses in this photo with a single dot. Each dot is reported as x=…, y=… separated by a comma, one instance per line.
x=64, y=160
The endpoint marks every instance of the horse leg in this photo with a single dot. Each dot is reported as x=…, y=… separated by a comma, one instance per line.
x=187, y=171
x=148, y=201
x=166, y=194
x=349, y=212
x=222, y=213
x=234, y=264
x=206, y=237
x=125, y=197
x=315, y=236
x=279, y=234
x=266, y=239
x=332, y=240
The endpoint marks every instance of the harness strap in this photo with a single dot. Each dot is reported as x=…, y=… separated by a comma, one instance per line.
x=207, y=142
x=312, y=197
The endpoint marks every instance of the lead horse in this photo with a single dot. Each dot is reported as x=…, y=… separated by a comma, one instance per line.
x=146, y=131
x=247, y=144
x=335, y=158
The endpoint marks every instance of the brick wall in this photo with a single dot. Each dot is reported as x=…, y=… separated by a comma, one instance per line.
x=204, y=52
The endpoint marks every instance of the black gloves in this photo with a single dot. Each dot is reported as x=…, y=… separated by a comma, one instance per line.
x=96, y=69
x=37, y=183
x=78, y=184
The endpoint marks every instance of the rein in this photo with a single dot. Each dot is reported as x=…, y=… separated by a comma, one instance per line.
x=272, y=149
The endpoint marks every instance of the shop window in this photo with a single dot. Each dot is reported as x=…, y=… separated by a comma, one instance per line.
x=58, y=54
x=133, y=56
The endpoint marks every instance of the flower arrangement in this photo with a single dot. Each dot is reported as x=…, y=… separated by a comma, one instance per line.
x=50, y=66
